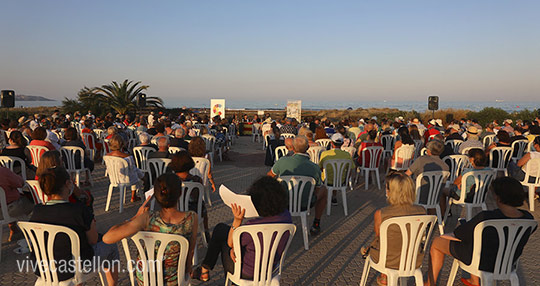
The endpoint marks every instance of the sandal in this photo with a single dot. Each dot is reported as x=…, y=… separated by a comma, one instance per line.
x=381, y=281
x=467, y=283
x=199, y=275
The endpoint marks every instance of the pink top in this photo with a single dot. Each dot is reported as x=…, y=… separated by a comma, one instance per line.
x=10, y=182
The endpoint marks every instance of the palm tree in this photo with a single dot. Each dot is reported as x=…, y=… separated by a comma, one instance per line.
x=122, y=97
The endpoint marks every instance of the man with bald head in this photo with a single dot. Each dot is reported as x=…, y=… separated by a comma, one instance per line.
x=163, y=149
x=300, y=165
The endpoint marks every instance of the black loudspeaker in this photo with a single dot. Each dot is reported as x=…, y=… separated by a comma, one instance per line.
x=7, y=98
x=141, y=100
x=433, y=102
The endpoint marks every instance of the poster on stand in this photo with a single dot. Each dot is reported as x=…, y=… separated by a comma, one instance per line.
x=217, y=107
x=294, y=109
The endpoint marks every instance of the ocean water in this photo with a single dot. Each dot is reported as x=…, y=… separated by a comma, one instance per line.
x=508, y=106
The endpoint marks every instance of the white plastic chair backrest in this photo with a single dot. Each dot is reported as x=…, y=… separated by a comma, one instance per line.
x=296, y=186
x=519, y=148
x=255, y=128
x=435, y=181
x=456, y=164
x=117, y=169
x=140, y=154
x=264, y=256
x=388, y=142
x=510, y=233
x=423, y=151
x=201, y=169
x=106, y=148
x=43, y=249
x=532, y=169
x=413, y=234
x=465, y=151
x=281, y=151
x=157, y=167
x=374, y=157
x=89, y=140
x=6, y=218
x=36, y=152
x=10, y=162
x=152, y=260
x=174, y=150
x=341, y=170
x=315, y=153
x=210, y=142
x=406, y=153
x=351, y=150
x=197, y=131
x=488, y=140
x=326, y=143
x=504, y=154
x=454, y=144
x=482, y=181
x=288, y=135
x=187, y=189
x=38, y=195
x=418, y=144
x=100, y=133
x=68, y=154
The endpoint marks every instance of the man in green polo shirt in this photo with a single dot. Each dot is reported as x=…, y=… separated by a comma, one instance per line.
x=333, y=154
x=300, y=165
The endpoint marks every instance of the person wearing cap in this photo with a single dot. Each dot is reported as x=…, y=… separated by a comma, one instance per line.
x=334, y=154
x=299, y=164
x=453, y=133
x=431, y=130
x=508, y=126
x=473, y=140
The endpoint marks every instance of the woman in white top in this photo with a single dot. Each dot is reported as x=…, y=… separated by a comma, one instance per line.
x=116, y=143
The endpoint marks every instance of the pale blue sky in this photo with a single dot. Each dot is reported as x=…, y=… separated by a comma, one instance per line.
x=309, y=50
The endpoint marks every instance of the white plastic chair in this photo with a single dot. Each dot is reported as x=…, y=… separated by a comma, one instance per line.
x=39, y=237
x=341, y=172
x=183, y=204
x=10, y=162
x=406, y=154
x=482, y=181
x=351, y=150
x=531, y=166
x=315, y=153
x=435, y=181
x=388, y=142
x=118, y=172
x=296, y=186
x=519, y=147
x=281, y=151
x=504, y=155
x=202, y=166
x=413, y=234
x=255, y=132
x=454, y=144
x=456, y=164
x=6, y=218
x=90, y=142
x=418, y=145
x=151, y=260
x=69, y=153
x=141, y=157
x=488, y=140
x=263, y=273
x=36, y=152
x=38, y=195
x=465, y=151
x=423, y=151
x=510, y=234
x=375, y=156
x=157, y=167
x=326, y=143
x=288, y=135
x=174, y=150
x=210, y=142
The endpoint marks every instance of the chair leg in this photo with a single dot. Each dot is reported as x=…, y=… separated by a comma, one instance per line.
x=122, y=196
x=468, y=214
x=1, y=233
x=303, y=218
x=531, y=198
x=111, y=187
x=78, y=178
x=453, y=273
x=203, y=233
x=365, y=273
x=367, y=179
x=439, y=220
x=328, y=201
x=391, y=279
x=378, y=179
x=344, y=200
x=207, y=192
x=514, y=280
x=418, y=279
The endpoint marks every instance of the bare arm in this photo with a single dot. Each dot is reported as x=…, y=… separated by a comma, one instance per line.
x=377, y=220
x=271, y=174
x=192, y=242
x=129, y=227
x=238, y=213
x=524, y=160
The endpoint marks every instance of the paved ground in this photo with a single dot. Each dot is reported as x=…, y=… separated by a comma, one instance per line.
x=333, y=257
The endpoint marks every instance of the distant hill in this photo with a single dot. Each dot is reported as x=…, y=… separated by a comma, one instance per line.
x=22, y=97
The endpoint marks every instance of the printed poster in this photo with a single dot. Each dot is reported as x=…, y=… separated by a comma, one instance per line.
x=217, y=107
x=294, y=109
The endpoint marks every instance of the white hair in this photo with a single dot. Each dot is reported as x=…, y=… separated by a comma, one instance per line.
x=144, y=138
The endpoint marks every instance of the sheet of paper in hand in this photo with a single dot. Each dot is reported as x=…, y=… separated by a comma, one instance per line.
x=148, y=193
x=229, y=197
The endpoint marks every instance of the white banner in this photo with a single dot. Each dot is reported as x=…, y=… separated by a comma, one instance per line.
x=217, y=107
x=294, y=109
